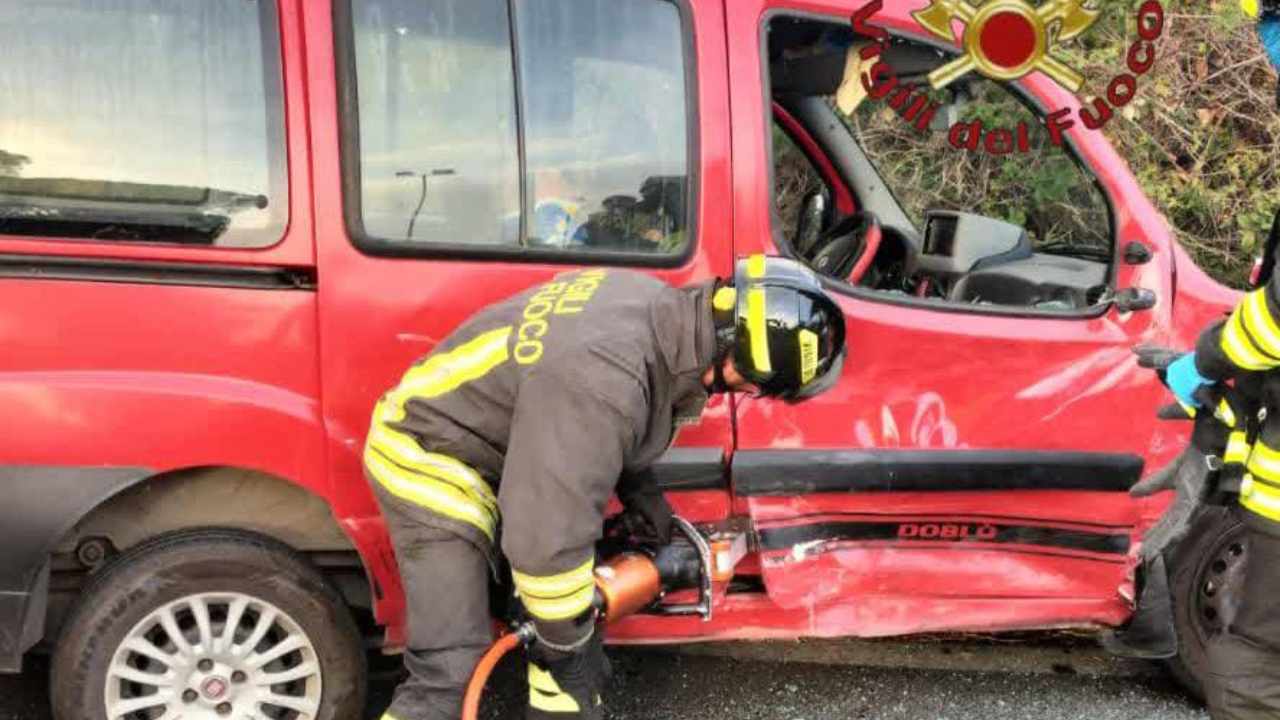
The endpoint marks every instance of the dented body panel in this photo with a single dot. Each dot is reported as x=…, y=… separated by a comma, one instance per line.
x=968, y=472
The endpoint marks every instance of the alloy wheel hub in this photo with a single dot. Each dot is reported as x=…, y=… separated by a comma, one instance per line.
x=214, y=655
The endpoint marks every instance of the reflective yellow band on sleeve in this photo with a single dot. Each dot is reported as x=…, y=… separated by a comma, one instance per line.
x=1260, y=499
x=557, y=597
x=758, y=328
x=756, y=266
x=1265, y=462
x=1261, y=326
x=1237, y=448
x=430, y=493
x=545, y=693
x=1238, y=347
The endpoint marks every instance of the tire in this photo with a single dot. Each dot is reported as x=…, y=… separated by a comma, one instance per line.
x=148, y=636
x=1207, y=574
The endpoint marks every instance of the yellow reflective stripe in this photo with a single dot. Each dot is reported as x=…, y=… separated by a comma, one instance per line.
x=1261, y=326
x=1260, y=499
x=1265, y=462
x=1250, y=7
x=444, y=373
x=388, y=716
x=808, y=355
x=431, y=494
x=755, y=266
x=1225, y=413
x=1237, y=346
x=724, y=299
x=758, y=328
x=562, y=608
x=558, y=584
x=560, y=596
x=1237, y=448
x=545, y=693
x=405, y=451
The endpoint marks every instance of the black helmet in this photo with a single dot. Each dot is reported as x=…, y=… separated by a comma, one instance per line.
x=785, y=333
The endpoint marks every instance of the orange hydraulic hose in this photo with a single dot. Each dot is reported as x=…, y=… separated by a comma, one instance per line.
x=471, y=701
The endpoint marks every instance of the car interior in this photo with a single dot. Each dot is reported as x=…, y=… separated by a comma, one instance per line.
x=866, y=199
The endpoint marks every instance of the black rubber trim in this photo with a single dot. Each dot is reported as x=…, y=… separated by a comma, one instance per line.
x=42, y=503
x=691, y=468
x=800, y=472
x=783, y=538
x=147, y=272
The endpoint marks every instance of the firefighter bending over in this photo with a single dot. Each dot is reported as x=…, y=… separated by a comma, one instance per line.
x=1244, y=660
x=515, y=431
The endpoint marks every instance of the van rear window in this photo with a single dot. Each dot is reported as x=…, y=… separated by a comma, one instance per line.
x=561, y=130
x=157, y=121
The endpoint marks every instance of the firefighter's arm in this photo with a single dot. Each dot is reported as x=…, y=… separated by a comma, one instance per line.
x=571, y=432
x=1248, y=341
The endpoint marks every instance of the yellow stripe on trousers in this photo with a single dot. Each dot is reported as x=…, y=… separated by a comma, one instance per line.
x=560, y=596
x=545, y=693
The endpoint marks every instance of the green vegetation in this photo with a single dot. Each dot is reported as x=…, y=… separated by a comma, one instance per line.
x=1202, y=137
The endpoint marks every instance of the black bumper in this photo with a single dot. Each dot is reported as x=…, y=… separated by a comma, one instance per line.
x=41, y=504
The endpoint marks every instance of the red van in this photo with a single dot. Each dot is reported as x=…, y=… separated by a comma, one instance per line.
x=227, y=227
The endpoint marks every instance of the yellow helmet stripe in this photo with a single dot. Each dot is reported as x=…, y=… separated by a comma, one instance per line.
x=756, y=266
x=758, y=328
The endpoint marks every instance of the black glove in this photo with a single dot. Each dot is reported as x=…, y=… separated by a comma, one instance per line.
x=646, y=514
x=581, y=673
x=1218, y=450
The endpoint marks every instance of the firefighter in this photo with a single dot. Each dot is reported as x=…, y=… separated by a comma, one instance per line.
x=514, y=431
x=1244, y=660
x=1267, y=13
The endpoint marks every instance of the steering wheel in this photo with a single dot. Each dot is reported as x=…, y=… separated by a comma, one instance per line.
x=848, y=248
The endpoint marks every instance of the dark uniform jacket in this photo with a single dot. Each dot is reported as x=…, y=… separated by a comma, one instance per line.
x=519, y=425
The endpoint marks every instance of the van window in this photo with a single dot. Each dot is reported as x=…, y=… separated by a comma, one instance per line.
x=157, y=121
x=562, y=129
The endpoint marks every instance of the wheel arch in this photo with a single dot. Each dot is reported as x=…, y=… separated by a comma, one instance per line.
x=154, y=504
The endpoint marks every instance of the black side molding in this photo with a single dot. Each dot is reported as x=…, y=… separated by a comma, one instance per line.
x=50, y=267
x=800, y=472
x=690, y=468
x=42, y=503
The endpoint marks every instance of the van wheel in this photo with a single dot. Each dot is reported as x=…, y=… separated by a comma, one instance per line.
x=1207, y=578
x=209, y=624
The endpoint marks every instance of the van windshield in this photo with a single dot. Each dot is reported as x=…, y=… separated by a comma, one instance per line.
x=142, y=120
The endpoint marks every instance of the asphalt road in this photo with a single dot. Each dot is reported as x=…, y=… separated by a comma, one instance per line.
x=660, y=685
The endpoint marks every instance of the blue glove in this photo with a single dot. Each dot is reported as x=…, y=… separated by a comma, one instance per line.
x=1269, y=33
x=1183, y=379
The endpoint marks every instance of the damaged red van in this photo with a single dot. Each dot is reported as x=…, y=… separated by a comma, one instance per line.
x=226, y=227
